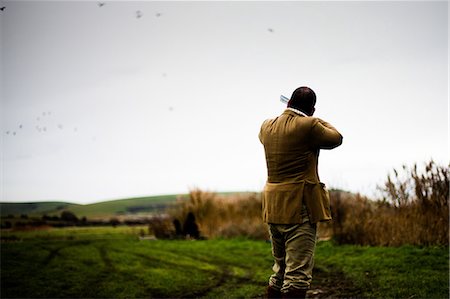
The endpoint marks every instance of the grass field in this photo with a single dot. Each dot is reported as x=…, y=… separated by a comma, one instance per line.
x=114, y=263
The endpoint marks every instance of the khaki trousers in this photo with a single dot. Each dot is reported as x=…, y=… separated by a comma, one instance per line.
x=293, y=248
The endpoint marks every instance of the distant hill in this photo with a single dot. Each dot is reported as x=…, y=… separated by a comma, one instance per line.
x=151, y=204
x=34, y=208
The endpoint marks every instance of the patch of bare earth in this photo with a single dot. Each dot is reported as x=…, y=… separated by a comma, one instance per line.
x=332, y=284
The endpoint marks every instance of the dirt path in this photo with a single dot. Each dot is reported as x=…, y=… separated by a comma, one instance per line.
x=332, y=284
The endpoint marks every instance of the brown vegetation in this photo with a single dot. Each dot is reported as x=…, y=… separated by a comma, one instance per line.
x=413, y=210
x=223, y=215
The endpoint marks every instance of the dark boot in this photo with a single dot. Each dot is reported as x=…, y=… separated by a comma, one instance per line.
x=273, y=293
x=295, y=294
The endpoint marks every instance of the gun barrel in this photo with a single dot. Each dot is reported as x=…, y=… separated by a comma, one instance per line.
x=283, y=99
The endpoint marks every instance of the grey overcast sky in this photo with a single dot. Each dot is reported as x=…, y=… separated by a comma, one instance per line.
x=130, y=99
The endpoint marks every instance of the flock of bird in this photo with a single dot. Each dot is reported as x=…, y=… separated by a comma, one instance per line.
x=139, y=13
x=42, y=125
x=43, y=128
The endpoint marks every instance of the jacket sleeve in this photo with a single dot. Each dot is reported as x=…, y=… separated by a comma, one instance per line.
x=325, y=136
x=261, y=133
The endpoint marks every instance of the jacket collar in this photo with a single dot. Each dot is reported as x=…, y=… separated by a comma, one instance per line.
x=297, y=111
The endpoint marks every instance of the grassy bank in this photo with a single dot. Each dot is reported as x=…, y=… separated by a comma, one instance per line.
x=114, y=263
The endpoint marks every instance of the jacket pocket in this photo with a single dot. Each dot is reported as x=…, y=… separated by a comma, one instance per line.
x=317, y=200
x=282, y=203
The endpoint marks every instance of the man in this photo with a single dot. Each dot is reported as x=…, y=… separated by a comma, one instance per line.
x=294, y=199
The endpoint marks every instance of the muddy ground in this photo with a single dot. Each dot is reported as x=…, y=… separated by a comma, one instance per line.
x=332, y=284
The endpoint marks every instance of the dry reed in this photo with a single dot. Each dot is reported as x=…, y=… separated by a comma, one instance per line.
x=413, y=210
x=223, y=215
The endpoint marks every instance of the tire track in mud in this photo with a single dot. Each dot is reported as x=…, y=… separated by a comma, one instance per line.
x=54, y=252
x=105, y=258
x=224, y=275
x=220, y=276
x=227, y=277
x=227, y=281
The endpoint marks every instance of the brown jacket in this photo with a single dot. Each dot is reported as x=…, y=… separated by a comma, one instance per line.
x=292, y=143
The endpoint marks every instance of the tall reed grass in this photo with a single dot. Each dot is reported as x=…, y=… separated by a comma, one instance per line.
x=223, y=215
x=413, y=209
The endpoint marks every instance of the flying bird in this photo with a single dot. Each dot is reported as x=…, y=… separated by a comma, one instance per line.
x=270, y=30
x=158, y=14
x=2, y=8
x=138, y=14
x=100, y=4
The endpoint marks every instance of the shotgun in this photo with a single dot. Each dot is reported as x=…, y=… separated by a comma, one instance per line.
x=283, y=99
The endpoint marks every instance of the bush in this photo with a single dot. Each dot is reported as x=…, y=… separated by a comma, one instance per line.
x=430, y=190
x=223, y=215
x=6, y=225
x=68, y=216
x=114, y=222
x=419, y=202
x=162, y=228
x=413, y=210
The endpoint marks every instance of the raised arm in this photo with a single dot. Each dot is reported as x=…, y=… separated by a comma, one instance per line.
x=325, y=135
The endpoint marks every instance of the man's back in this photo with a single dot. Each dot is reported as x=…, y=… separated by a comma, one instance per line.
x=292, y=143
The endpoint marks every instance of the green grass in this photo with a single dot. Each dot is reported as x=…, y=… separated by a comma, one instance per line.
x=114, y=263
x=391, y=272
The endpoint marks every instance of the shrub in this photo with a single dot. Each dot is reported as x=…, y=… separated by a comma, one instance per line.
x=223, y=215
x=420, y=200
x=429, y=189
x=68, y=216
x=161, y=227
x=114, y=222
x=413, y=210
